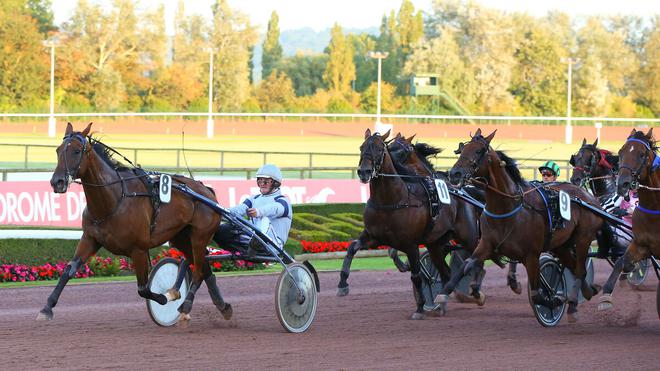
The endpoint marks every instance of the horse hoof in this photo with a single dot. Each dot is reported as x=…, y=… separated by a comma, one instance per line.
x=417, y=316
x=184, y=320
x=437, y=311
x=44, y=316
x=517, y=289
x=572, y=317
x=443, y=299
x=605, y=303
x=342, y=291
x=172, y=295
x=227, y=312
x=481, y=300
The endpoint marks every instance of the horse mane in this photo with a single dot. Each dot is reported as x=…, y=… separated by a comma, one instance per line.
x=424, y=151
x=511, y=167
x=106, y=154
x=641, y=136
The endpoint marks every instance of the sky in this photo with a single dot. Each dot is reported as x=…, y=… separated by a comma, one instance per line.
x=322, y=14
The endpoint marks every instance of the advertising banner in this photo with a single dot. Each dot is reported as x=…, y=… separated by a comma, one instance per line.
x=34, y=203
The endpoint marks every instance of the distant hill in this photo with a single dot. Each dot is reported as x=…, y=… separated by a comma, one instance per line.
x=306, y=39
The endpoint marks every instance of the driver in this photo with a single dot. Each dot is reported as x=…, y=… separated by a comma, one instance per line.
x=269, y=211
x=549, y=172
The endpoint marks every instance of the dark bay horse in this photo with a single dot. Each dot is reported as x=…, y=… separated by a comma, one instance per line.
x=411, y=160
x=397, y=214
x=595, y=168
x=639, y=168
x=122, y=216
x=516, y=222
x=414, y=157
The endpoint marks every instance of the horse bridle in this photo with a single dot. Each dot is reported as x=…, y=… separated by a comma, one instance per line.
x=375, y=172
x=475, y=164
x=69, y=175
x=635, y=174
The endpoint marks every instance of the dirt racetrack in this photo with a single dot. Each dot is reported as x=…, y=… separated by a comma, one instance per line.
x=102, y=326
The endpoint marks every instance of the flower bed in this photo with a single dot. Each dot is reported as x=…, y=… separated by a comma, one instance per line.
x=106, y=267
x=312, y=247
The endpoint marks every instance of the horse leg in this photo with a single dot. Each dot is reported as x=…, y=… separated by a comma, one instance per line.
x=475, y=285
x=85, y=249
x=212, y=285
x=625, y=264
x=198, y=241
x=512, y=279
x=466, y=268
x=141, y=263
x=400, y=265
x=416, y=278
x=363, y=242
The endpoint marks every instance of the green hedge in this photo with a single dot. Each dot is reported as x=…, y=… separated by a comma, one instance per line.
x=311, y=222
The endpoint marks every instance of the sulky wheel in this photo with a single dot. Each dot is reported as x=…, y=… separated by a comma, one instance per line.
x=162, y=278
x=552, y=284
x=570, y=279
x=431, y=284
x=638, y=275
x=296, y=308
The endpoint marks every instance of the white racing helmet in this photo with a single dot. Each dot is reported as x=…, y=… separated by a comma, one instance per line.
x=270, y=171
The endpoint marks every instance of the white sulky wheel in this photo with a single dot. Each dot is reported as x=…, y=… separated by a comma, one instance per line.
x=296, y=313
x=550, y=271
x=161, y=279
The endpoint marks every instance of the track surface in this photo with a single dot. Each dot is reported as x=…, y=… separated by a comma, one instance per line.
x=107, y=326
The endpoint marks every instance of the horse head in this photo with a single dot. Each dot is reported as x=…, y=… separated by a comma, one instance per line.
x=637, y=157
x=471, y=160
x=584, y=162
x=70, y=158
x=401, y=148
x=372, y=154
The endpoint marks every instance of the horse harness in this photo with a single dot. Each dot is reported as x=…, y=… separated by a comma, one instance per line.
x=138, y=173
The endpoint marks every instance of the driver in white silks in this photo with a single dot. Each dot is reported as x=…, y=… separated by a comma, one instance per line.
x=269, y=211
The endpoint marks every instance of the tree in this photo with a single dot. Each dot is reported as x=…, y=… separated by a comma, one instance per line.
x=340, y=70
x=366, y=69
x=23, y=60
x=647, y=80
x=231, y=36
x=272, y=50
x=275, y=93
x=538, y=81
x=591, y=90
x=305, y=72
x=369, y=98
x=41, y=10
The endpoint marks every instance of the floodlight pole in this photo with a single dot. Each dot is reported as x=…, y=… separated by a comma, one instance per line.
x=51, y=118
x=380, y=56
x=569, y=128
x=210, y=124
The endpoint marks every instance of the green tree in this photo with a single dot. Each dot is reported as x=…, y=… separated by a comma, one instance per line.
x=538, y=81
x=275, y=93
x=272, y=50
x=231, y=36
x=340, y=70
x=591, y=91
x=647, y=79
x=388, y=101
x=41, y=10
x=306, y=72
x=366, y=69
x=24, y=62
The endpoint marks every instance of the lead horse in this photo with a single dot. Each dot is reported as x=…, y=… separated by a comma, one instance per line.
x=123, y=216
x=516, y=223
x=639, y=168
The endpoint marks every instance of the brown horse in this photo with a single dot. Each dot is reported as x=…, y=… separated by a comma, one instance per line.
x=123, y=216
x=639, y=165
x=411, y=160
x=595, y=168
x=516, y=222
x=397, y=214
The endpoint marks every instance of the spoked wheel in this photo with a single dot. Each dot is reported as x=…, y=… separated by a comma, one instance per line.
x=431, y=283
x=162, y=278
x=638, y=275
x=296, y=308
x=570, y=279
x=552, y=284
